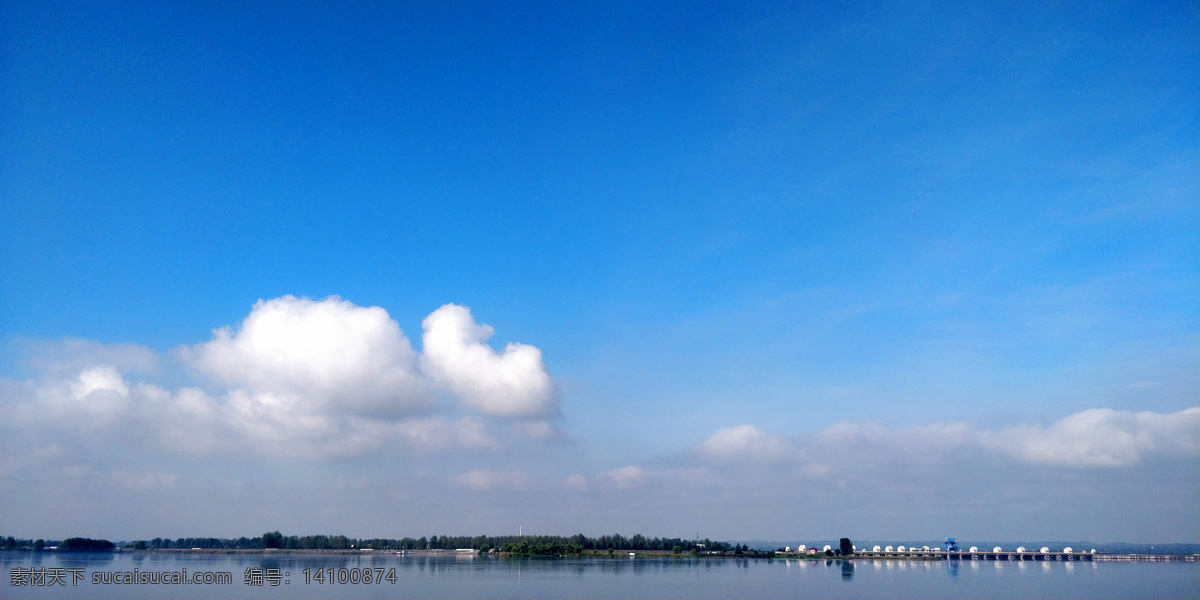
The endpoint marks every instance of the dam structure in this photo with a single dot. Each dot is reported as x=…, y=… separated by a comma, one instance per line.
x=951, y=551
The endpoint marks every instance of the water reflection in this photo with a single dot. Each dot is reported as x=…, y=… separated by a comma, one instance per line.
x=847, y=569
x=645, y=577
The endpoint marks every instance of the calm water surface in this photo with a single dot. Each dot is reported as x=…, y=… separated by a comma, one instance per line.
x=450, y=577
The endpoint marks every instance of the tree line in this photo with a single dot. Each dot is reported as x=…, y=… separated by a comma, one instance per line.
x=75, y=544
x=517, y=544
x=12, y=543
x=523, y=544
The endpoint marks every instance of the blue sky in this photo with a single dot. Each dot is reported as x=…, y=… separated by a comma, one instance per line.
x=731, y=233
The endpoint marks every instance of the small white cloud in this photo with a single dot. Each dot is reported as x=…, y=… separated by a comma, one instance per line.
x=481, y=480
x=99, y=379
x=743, y=442
x=511, y=384
x=623, y=478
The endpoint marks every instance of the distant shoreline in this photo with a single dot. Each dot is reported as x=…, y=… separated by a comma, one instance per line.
x=624, y=554
x=612, y=545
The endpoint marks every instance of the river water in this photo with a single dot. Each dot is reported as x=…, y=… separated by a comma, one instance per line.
x=63, y=575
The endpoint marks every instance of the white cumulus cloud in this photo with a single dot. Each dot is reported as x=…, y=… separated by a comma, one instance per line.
x=316, y=354
x=743, y=442
x=509, y=384
x=297, y=378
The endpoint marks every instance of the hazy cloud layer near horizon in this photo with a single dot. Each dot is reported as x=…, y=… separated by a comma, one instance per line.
x=321, y=401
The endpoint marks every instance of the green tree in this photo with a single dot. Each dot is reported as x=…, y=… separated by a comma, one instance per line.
x=846, y=547
x=86, y=545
